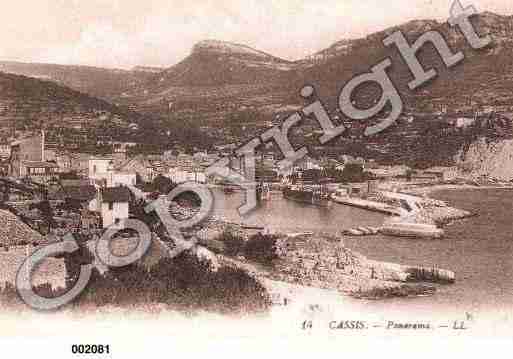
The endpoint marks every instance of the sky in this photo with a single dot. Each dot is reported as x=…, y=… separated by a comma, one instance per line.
x=127, y=33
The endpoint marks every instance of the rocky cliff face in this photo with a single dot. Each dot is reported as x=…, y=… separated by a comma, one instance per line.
x=216, y=47
x=488, y=158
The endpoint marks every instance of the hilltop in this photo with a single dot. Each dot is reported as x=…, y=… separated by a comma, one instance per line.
x=217, y=63
x=95, y=81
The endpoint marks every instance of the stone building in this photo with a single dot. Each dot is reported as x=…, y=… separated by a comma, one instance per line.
x=114, y=205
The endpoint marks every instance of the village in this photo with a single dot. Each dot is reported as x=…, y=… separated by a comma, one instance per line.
x=47, y=193
x=101, y=183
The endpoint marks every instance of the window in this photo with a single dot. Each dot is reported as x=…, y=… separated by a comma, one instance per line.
x=111, y=206
x=94, y=169
x=117, y=220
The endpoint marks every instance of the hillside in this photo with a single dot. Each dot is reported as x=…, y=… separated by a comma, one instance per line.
x=81, y=122
x=95, y=81
x=30, y=103
x=482, y=82
x=481, y=72
x=213, y=66
x=216, y=78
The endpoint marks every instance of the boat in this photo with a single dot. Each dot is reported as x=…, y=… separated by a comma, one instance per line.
x=251, y=226
x=361, y=231
x=299, y=234
x=353, y=232
x=415, y=230
x=310, y=194
x=263, y=191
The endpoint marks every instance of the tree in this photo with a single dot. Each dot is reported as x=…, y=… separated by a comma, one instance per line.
x=69, y=176
x=261, y=248
x=353, y=172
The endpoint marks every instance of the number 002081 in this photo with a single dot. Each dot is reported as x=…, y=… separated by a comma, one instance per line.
x=90, y=349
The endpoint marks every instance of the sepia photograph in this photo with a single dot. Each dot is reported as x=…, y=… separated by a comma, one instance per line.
x=253, y=177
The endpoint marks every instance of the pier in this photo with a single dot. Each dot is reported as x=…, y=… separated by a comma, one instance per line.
x=368, y=205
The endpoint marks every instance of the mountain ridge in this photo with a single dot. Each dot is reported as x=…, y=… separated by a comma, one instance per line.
x=122, y=80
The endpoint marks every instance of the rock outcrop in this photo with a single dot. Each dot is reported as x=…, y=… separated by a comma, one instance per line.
x=491, y=159
x=14, y=232
x=325, y=263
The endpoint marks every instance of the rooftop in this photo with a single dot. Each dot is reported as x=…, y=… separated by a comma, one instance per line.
x=116, y=194
x=80, y=193
x=39, y=164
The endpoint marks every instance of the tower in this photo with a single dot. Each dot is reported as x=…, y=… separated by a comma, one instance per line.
x=43, y=145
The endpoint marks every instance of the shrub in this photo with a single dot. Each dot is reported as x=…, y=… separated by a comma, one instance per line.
x=261, y=248
x=233, y=244
x=9, y=295
x=184, y=283
x=353, y=172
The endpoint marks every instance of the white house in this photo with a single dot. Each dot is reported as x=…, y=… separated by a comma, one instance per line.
x=464, y=122
x=306, y=163
x=101, y=172
x=138, y=165
x=5, y=150
x=116, y=179
x=181, y=175
x=443, y=173
x=114, y=205
x=99, y=166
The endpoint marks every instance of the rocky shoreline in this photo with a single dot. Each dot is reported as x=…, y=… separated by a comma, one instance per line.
x=433, y=211
x=439, y=216
x=322, y=261
x=316, y=262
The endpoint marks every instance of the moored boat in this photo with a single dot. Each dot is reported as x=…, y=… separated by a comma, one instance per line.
x=263, y=191
x=229, y=190
x=416, y=230
x=310, y=194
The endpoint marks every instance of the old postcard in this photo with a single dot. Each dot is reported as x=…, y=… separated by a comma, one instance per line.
x=246, y=177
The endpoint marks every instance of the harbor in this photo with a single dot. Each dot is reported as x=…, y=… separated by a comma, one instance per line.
x=469, y=247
